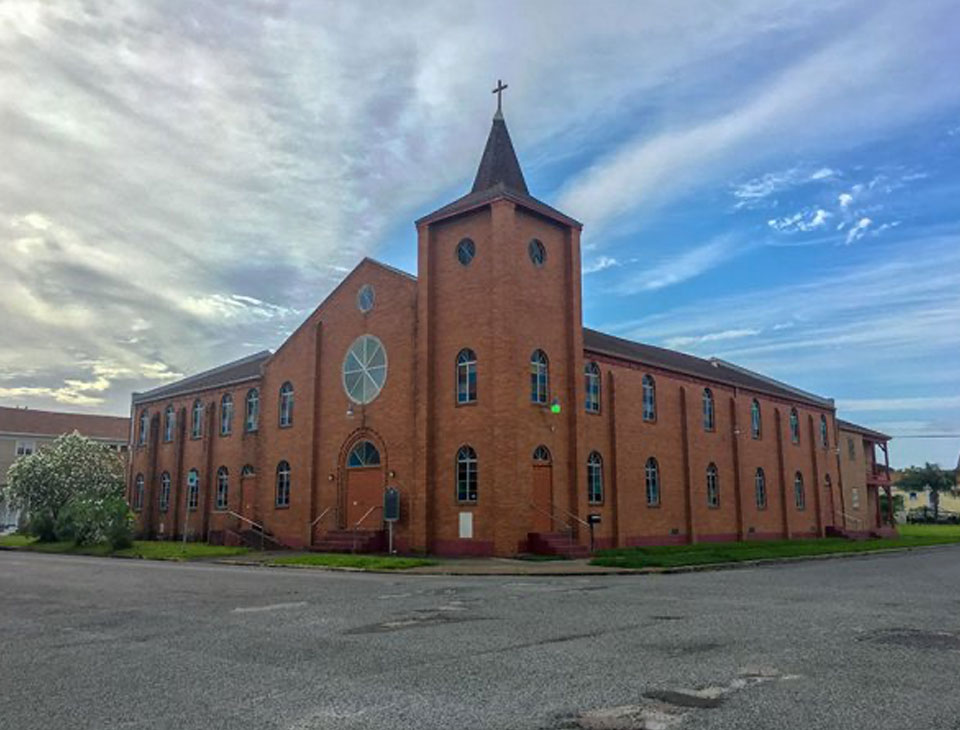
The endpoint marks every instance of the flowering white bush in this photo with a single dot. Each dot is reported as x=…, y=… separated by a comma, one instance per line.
x=71, y=490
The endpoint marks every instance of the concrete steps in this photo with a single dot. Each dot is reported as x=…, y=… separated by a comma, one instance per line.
x=554, y=543
x=351, y=541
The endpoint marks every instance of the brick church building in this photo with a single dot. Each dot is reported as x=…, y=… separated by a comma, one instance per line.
x=474, y=390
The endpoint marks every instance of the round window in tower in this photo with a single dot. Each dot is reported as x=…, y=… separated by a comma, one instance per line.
x=364, y=369
x=365, y=298
x=466, y=250
x=538, y=254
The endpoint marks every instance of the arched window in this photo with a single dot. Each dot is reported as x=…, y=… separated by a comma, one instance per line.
x=466, y=474
x=794, y=426
x=799, y=495
x=252, y=416
x=824, y=440
x=164, y=501
x=193, y=489
x=226, y=414
x=138, y=493
x=709, y=421
x=760, y=485
x=196, y=425
x=466, y=376
x=363, y=454
x=366, y=297
x=649, y=398
x=286, y=405
x=756, y=424
x=144, y=427
x=223, y=488
x=283, y=485
x=539, y=377
x=541, y=455
x=594, y=478
x=169, y=423
x=247, y=471
x=592, y=376
x=652, y=474
x=538, y=253
x=713, y=487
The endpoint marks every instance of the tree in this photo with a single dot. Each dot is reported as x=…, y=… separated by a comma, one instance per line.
x=929, y=476
x=71, y=490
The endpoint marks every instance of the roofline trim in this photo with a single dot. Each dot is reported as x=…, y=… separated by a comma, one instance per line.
x=500, y=193
x=141, y=398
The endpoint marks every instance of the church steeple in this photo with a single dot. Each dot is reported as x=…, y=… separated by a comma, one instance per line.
x=499, y=164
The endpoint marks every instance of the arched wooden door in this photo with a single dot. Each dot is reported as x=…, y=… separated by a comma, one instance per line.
x=541, y=492
x=364, y=486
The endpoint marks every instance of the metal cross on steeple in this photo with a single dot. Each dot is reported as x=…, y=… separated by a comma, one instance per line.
x=499, y=92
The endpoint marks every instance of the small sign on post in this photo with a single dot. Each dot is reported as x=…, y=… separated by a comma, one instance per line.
x=391, y=511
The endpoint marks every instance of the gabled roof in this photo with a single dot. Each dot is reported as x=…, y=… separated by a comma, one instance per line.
x=28, y=421
x=246, y=368
x=713, y=369
x=862, y=430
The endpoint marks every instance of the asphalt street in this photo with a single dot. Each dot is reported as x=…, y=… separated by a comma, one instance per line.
x=868, y=642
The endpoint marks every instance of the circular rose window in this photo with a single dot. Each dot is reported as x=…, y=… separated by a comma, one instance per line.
x=364, y=369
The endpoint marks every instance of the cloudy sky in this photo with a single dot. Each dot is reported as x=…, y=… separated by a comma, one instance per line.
x=774, y=183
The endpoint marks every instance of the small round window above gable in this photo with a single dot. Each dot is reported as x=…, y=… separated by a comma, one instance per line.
x=537, y=251
x=466, y=250
x=365, y=298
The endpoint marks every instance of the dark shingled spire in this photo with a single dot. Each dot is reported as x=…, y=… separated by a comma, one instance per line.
x=499, y=165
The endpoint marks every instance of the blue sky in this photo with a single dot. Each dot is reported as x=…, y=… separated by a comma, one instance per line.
x=772, y=183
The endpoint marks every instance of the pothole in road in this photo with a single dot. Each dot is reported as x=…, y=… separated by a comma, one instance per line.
x=661, y=709
x=914, y=639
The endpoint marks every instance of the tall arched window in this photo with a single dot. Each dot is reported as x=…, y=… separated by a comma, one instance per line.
x=592, y=377
x=223, y=488
x=196, y=425
x=760, y=485
x=541, y=455
x=824, y=440
x=286, y=405
x=594, y=478
x=652, y=478
x=144, y=427
x=252, y=416
x=649, y=398
x=799, y=495
x=539, y=377
x=226, y=414
x=138, y=493
x=283, y=485
x=169, y=423
x=364, y=453
x=466, y=376
x=709, y=420
x=713, y=487
x=193, y=489
x=466, y=474
x=756, y=424
x=164, y=497
x=794, y=426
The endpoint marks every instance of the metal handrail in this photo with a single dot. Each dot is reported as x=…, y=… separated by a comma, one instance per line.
x=356, y=525
x=847, y=516
x=260, y=528
x=567, y=527
x=322, y=515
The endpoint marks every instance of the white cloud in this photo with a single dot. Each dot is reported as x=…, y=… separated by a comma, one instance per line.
x=803, y=221
x=684, y=266
x=733, y=334
x=899, y=404
x=599, y=264
x=858, y=230
x=845, y=200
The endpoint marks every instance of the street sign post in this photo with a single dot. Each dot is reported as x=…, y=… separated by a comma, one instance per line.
x=391, y=512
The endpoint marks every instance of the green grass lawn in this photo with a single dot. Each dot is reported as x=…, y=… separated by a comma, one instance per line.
x=671, y=556
x=360, y=562
x=147, y=549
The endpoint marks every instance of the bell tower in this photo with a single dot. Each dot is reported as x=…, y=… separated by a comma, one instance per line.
x=498, y=275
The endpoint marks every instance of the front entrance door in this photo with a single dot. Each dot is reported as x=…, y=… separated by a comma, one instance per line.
x=364, y=487
x=541, y=493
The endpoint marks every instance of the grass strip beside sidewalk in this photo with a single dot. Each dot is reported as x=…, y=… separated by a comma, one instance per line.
x=674, y=556
x=146, y=549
